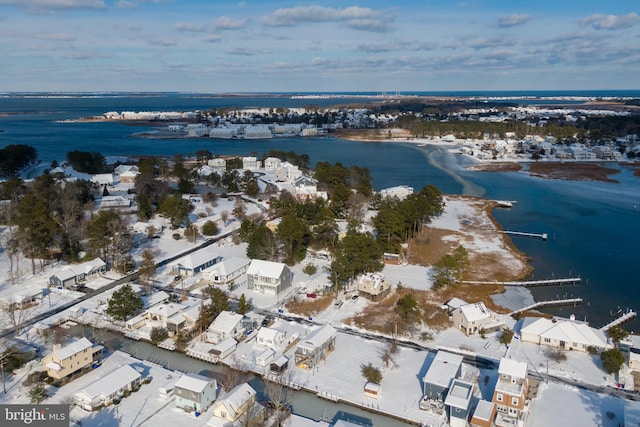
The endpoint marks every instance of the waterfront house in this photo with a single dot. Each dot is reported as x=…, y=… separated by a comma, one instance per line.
x=72, y=276
x=279, y=365
x=236, y=404
x=484, y=414
x=373, y=286
x=227, y=270
x=219, y=165
x=475, y=317
x=108, y=389
x=226, y=325
x=224, y=348
x=311, y=350
x=272, y=164
x=269, y=337
x=458, y=403
x=563, y=334
x=399, y=192
x=250, y=163
x=103, y=179
x=444, y=368
x=268, y=277
x=64, y=361
x=195, y=392
x=265, y=357
x=197, y=261
x=510, y=393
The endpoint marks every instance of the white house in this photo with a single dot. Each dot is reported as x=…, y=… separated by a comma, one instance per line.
x=250, y=163
x=315, y=347
x=195, y=392
x=399, y=192
x=108, y=388
x=564, y=334
x=236, y=403
x=74, y=275
x=475, y=317
x=226, y=325
x=269, y=337
x=227, y=270
x=268, y=277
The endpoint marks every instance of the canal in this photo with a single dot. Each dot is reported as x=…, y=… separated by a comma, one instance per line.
x=303, y=403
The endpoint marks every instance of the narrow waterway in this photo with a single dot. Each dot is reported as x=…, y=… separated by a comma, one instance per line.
x=302, y=403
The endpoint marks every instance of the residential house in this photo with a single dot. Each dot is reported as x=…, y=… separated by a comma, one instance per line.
x=484, y=414
x=108, y=389
x=227, y=270
x=250, y=163
x=64, y=361
x=240, y=400
x=224, y=348
x=458, y=403
x=373, y=286
x=269, y=337
x=564, y=334
x=265, y=357
x=268, y=277
x=72, y=276
x=279, y=365
x=475, y=317
x=219, y=165
x=103, y=179
x=272, y=164
x=184, y=320
x=315, y=347
x=195, y=392
x=226, y=325
x=510, y=393
x=400, y=192
x=114, y=202
x=126, y=173
x=444, y=368
x=197, y=261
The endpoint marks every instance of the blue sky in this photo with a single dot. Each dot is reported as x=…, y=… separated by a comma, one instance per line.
x=326, y=46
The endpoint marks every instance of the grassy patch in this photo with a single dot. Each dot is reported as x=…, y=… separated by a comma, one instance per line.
x=308, y=306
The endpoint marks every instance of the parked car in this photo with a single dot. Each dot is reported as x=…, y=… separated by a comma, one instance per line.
x=312, y=295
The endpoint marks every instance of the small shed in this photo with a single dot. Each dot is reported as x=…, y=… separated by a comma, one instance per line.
x=264, y=358
x=279, y=365
x=372, y=390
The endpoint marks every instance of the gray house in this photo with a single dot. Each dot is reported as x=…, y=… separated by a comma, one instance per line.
x=75, y=275
x=444, y=368
x=458, y=403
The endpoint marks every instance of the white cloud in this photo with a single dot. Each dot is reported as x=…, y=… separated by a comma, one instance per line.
x=359, y=18
x=41, y=5
x=611, y=22
x=512, y=20
x=226, y=23
x=241, y=51
x=187, y=26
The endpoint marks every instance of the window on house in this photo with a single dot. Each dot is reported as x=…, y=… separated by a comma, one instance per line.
x=499, y=397
x=514, y=401
x=547, y=340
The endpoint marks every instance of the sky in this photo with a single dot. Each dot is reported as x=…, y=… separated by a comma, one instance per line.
x=220, y=46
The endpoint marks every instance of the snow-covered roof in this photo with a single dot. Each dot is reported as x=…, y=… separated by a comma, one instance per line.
x=112, y=382
x=455, y=302
x=459, y=395
x=73, y=348
x=227, y=266
x=155, y=298
x=267, y=334
x=226, y=322
x=443, y=369
x=512, y=368
x=166, y=310
x=263, y=268
x=226, y=344
x=475, y=311
x=198, y=258
x=318, y=337
x=193, y=382
x=237, y=397
x=565, y=330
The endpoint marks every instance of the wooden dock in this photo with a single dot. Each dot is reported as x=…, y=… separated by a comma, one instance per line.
x=527, y=283
x=542, y=236
x=626, y=317
x=567, y=301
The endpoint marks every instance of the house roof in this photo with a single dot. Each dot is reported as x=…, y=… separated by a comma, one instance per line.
x=65, y=274
x=228, y=266
x=155, y=298
x=565, y=330
x=73, y=348
x=166, y=309
x=267, y=334
x=443, y=369
x=225, y=345
x=459, y=395
x=193, y=382
x=112, y=382
x=475, y=311
x=236, y=398
x=225, y=322
x=454, y=303
x=318, y=337
x=263, y=268
x=198, y=258
x=513, y=368
x=484, y=410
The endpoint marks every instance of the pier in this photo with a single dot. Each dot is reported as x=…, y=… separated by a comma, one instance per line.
x=527, y=283
x=542, y=236
x=568, y=301
x=626, y=317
